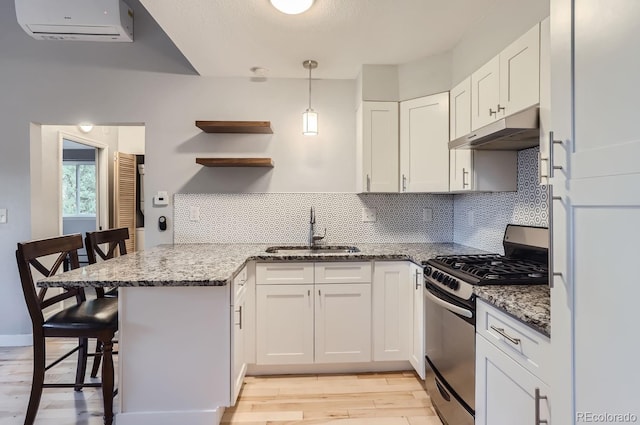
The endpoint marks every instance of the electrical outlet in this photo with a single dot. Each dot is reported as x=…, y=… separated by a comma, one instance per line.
x=471, y=218
x=427, y=215
x=194, y=213
x=3, y=215
x=368, y=215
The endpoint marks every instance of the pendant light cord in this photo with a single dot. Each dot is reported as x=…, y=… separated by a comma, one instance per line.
x=309, y=86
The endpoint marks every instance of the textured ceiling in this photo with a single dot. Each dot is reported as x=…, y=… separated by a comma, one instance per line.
x=228, y=37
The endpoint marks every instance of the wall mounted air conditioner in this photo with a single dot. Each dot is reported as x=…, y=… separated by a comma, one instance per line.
x=87, y=20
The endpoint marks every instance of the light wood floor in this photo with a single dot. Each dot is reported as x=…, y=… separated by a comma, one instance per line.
x=362, y=399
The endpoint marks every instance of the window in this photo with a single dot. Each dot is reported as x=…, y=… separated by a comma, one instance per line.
x=78, y=188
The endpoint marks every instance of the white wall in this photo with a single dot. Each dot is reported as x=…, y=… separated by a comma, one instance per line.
x=425, y=76
x=131, y=139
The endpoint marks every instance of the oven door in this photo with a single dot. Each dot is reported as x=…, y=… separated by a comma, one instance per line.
x=450, y=349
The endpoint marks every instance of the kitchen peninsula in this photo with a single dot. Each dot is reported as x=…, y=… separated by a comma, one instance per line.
x=176, y=320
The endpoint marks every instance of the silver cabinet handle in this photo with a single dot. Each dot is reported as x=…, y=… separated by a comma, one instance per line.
x=464, y=180
x=515, y=341
x=239, y=310
x=550, y=263
x=539, y=397
x=404, y=183
x=500, y=108
x=308, y=292
x=368, y=183
x=492, y=112
x=417, y=280
x=319, y=293
x=552, y=165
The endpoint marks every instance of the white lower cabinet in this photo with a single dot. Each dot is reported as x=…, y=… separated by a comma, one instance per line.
x=242, y=292
x=342, y=323
x=284, y=324
x=417, y=354
x=507, y=392
x=392, y=319
x=313, y=322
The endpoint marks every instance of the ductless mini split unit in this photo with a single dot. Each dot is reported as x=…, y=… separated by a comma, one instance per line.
x=85, y=20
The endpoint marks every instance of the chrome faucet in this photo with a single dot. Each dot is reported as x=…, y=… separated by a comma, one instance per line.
x=313, y=237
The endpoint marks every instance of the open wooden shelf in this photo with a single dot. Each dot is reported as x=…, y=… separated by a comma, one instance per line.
x=236, y=162
x=250, y=127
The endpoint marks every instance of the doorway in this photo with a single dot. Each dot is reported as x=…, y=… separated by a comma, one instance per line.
x=83, y=186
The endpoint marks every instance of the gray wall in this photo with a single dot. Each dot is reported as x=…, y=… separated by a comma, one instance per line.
x=149, y=82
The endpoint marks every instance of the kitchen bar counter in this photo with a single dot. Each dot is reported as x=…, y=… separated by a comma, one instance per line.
x=531, y=304
x=217, y=264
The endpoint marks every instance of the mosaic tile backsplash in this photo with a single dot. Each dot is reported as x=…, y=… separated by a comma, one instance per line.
x=491, y=212
x=283, y=218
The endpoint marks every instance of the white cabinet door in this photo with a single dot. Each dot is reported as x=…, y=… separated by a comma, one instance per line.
x=505, y=391
x=424, y=137
x=284, y=324
x=461, y=163
x=238, y=321
x=545, y=101
x=380, y=146
x=460, y=109
x=520, y=73
x=594, y=97
x=343, y=323
x=417, y=353
x=509, y=82
x=392, y=318
x=485, y=93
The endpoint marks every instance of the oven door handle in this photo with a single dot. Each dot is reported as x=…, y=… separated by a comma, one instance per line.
x=451, y=307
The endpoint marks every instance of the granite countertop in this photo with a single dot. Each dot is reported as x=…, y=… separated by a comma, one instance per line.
x=531, y=304
x=217, y=264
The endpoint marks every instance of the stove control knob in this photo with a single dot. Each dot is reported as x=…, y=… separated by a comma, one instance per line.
x=455, y=285
x=446, y=280
x=440, y=277
x=427, y=271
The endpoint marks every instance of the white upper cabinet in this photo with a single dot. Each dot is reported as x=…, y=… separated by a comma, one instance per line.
x=460, y=109
x=424, y=137
x=485, y=94
x=378, y=138
x=545, y=100
x=520, y=73
x=509, y=82
x=483, y=170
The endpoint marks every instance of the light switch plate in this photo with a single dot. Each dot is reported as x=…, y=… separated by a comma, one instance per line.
x=368, y=215
x=3, y=215
x=427, y=215
x=194, y=213
x=161, y=199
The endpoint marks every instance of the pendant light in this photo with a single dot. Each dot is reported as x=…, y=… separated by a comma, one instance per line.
x=310, y=117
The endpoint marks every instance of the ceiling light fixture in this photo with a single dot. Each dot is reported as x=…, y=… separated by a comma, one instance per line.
x=292, y=7
x=85, y=127
x=310, y=117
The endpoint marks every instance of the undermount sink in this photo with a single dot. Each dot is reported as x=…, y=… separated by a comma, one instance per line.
x=301, y=250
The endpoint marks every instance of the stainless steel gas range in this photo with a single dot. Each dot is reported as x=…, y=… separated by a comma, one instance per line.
x=451, y=313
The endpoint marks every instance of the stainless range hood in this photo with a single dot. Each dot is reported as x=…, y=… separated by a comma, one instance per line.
x=515, y=132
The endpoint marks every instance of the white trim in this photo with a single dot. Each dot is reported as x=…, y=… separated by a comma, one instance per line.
x=102, y=176
x=191, y=417
x=24, y=340
x=385, y=366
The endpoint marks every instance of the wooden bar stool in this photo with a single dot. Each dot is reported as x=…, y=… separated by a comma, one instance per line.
x=86, y=319
x=115, y=240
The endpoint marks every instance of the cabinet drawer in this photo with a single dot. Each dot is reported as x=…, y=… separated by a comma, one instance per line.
x=343, y=272
x=284, y=273
x=527, y=347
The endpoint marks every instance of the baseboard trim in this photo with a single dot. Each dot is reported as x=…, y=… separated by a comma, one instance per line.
x=192, y=417
x=386, y=366
x=25, y=340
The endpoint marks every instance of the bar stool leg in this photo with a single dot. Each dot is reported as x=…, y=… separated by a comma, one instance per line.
x=82, y=363
x=37, y=380
x=96, y=360
x=107, y=380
